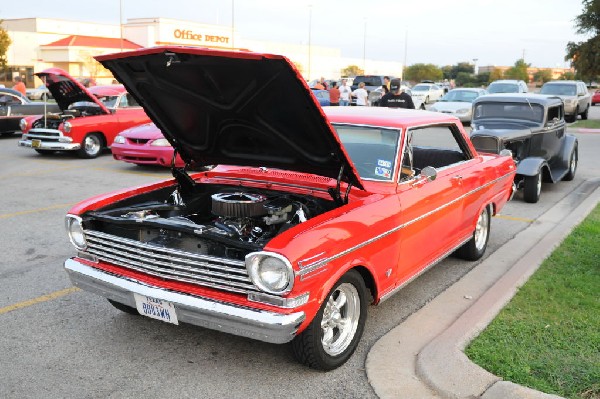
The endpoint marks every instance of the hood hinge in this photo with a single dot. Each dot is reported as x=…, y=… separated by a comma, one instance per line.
x=336, y=192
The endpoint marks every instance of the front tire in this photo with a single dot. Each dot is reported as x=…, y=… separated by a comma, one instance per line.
x=334, y=333
x=532, y=188
x=91, y=146
x=572, y=165
x=476, y=246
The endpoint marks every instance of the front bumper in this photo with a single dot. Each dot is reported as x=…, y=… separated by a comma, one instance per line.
x=257, y=324
x=44, y=145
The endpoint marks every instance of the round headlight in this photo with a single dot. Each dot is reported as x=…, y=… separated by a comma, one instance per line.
x=119, y=140
x=67, y=127
x=23, y=124
x=75, y=231
x=161, y=143
x=270, y=272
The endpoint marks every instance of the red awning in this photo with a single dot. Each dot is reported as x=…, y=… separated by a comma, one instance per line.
x=94, y=41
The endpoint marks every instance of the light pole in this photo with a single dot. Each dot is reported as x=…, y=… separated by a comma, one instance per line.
x=475, y=65
x=121, y=21
x=365, y=47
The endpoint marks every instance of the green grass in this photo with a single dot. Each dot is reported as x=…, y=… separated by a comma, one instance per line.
x=548, y=336
x=588, y=124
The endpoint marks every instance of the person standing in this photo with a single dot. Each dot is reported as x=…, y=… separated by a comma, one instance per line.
x=324, y=83
x=345, y=93
x=386, y=82
x=334, y=95
x=397, y=98
x=361, y=94
x=19, y=85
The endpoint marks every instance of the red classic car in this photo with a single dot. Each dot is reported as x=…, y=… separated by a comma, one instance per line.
x=310, y=216
x=88, y=121
x=596, y=97
x=144, y=145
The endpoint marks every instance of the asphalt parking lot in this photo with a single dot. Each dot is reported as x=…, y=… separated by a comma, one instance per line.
x=61, y=342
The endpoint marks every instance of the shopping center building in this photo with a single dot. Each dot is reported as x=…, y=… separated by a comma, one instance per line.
x=40, y=43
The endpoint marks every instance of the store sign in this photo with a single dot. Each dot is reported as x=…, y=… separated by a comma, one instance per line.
x=184, y=34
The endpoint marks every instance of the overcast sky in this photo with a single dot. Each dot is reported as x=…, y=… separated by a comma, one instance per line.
x=441, y=32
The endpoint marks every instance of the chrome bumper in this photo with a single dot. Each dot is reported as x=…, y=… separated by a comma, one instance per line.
x=246, y=322
x=50, y=146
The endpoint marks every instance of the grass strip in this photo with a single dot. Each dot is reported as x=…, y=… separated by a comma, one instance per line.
x=548, y=336
x=586, y=124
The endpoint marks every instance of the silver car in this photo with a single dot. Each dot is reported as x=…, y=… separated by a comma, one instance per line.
x=458, y=102
x=574, y=94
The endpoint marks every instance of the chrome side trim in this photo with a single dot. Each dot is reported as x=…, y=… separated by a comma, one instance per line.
x=322, y=262
x=257, y=324
x=429, y=266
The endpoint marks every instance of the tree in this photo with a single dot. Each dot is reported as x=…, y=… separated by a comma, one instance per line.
x=542, y=76
x=93, y=67
x=496, y=74
x=518, y=71
x=352, y=71
x=4, y=45
x=585, y=56
x=452, y=71
x=567, y=76
x=419, y=72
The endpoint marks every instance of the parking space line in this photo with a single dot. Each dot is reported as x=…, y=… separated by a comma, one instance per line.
x=40, y=299
x=515, y=218
x=48, y=208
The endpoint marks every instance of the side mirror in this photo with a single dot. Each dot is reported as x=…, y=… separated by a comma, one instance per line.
x=429, y=172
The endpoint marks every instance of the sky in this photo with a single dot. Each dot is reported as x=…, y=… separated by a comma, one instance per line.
x=440, y=32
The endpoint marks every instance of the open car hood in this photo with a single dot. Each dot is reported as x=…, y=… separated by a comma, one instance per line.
x=233, y=108
x=66, y=90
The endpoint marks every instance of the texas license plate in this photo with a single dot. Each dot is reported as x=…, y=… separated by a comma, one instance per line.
x=36, y=143
x=155, y=308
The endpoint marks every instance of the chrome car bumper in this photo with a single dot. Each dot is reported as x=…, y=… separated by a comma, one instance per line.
x=44, y=145
x=246, y=322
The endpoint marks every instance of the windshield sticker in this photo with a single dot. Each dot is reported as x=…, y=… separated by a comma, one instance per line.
x=384, y=163
x=383, y=172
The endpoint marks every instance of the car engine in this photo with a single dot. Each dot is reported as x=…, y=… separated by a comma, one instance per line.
x=228, y=223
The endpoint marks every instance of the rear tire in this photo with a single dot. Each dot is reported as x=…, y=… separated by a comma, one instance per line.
x=572, y=165
x=334, y=333
x=584, y=116
x=532, y=188
x=124, y=308
x=476, y=246
x=91, y=146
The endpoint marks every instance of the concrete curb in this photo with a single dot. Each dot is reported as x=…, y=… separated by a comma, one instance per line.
x=448, y=346
x=423, y=358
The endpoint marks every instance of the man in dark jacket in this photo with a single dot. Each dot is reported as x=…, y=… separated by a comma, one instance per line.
x=397, y=98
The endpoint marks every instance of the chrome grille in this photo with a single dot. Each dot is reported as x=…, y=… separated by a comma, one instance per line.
x=48, y=135
x=486, y=143
x=171, y=264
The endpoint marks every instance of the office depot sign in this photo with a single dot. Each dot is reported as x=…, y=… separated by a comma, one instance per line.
x=186, y=34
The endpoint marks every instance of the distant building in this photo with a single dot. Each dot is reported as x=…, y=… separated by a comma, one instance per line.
x=40, y=43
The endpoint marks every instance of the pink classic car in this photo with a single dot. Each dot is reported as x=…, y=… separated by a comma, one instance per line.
x=311, y=215
x=89, y=118
x=144, y=145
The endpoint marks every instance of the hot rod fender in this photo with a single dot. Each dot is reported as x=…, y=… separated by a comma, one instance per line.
x=531, y=166
x=569, y=145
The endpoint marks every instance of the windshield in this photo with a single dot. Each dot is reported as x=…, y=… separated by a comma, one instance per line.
x=109, y=101
x=368, y=80
x=420, y=88
x=460, y=96
x=372, y=150
x=559, y=89
x=523, y=111
x=503, y=88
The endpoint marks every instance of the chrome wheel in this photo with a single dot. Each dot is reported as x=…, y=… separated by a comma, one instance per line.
x=91, y=146
x=340, y=319
x=482, y=230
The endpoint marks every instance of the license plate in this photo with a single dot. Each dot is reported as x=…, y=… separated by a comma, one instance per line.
x=156, y=308
x=36, y=143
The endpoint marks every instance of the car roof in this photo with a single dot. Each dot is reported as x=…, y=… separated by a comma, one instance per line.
x=11, y=91
x=385, y=117
x=520, y=98
x=506, y=81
